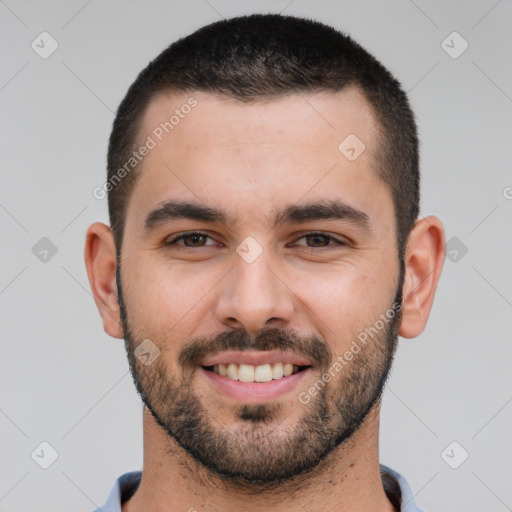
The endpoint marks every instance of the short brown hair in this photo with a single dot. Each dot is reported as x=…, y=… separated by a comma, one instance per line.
x=269, y=56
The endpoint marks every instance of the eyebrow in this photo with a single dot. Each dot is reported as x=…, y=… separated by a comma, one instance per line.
x=291, y=214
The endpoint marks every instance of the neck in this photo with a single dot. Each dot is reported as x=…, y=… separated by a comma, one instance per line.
x=347, y=480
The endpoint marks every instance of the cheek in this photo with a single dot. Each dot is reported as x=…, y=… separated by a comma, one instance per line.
x=345, y=302
x=163, y=298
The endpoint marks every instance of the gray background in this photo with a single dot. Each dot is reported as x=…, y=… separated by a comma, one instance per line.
x=64, y=381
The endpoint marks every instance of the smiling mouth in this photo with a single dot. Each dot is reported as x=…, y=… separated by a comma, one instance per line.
x=255, y=373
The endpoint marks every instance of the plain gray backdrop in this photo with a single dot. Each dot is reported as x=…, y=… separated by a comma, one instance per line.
x=65, y=382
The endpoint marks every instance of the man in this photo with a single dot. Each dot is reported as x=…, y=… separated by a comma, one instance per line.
x=264, y=254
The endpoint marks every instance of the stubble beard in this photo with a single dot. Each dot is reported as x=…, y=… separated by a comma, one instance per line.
x=260, y=448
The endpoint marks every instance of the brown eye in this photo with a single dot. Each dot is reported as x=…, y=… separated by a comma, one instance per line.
x=196, y=239
x=319, y=240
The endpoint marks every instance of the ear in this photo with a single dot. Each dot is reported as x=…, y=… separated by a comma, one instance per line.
x=424, y=258
x=100, y=261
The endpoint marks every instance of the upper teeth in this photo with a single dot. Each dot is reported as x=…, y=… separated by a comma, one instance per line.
x=251, y=373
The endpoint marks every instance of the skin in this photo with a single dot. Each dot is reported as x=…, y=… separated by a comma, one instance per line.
x=250, y=159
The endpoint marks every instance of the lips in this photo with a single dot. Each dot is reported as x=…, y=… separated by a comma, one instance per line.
x=252, y=376
x=255, y=358
x=254, y=392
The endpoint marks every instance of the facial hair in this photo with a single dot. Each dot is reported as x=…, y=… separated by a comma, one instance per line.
x=254, y=452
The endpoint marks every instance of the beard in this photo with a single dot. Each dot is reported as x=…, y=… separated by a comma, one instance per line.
x=253, y=452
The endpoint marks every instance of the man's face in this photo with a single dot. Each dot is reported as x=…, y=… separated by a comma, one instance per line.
x=253, y=292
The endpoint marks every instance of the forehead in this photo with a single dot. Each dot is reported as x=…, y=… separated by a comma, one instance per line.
x=313, y=120
x=222, y=151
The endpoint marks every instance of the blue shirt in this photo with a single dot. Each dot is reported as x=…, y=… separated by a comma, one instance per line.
x=396, y=487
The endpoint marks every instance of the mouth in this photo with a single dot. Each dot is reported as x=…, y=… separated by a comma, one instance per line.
x=251, y=373
x=252, y=377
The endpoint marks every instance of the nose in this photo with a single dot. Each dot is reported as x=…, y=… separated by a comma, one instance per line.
x=254, y=295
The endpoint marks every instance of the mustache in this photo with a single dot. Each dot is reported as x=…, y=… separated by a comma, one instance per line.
x=311, y=347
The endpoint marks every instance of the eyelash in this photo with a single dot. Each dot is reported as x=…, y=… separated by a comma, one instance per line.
x=311, y=233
